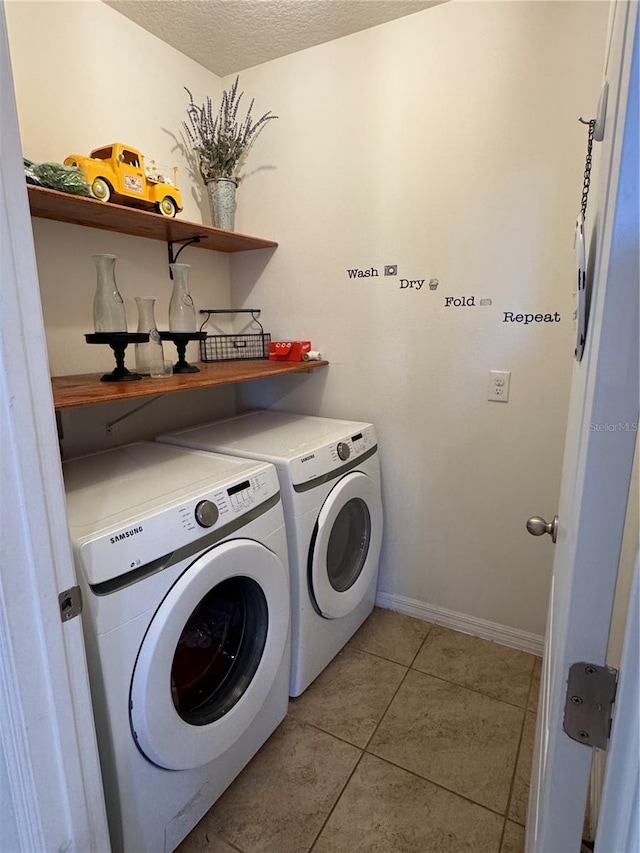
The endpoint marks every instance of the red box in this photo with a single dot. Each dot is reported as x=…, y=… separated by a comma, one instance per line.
x=288, y=350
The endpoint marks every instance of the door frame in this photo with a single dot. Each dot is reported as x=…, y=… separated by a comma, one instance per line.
x=52, y=798
x=597, y=467
x=619, y=815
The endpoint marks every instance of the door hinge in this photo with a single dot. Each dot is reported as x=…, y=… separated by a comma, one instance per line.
x=70, y=602
x=588, y=709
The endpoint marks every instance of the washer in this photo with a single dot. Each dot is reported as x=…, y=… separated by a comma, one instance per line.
x=182, y=561
x=330, y=479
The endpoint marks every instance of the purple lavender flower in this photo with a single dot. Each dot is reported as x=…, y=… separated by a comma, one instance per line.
x=221, y=142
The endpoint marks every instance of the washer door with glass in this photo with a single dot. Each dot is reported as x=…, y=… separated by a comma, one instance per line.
x=345, y=548
x=210, y=655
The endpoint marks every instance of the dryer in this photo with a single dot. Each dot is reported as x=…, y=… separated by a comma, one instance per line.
x=182, y=561
x=330, y=479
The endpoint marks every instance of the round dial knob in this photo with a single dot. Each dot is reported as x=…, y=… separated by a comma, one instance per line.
x=206, y=513
x=343, y=450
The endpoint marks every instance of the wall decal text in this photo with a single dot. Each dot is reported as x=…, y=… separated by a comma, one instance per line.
x=510, y=317
x=459, y=301
x=358, y=273
x=411, y=283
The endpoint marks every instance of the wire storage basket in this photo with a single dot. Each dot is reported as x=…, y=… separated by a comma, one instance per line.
x=234, y=347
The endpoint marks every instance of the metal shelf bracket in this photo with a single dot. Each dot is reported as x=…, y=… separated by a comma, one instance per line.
x=174, y=257
x=110, y=424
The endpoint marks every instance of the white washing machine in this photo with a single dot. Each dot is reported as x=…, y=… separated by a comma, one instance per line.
x=330, y=479
x=182, y=560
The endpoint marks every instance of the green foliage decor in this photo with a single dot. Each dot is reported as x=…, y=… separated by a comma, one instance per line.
x=220, y=140
x=54, y=176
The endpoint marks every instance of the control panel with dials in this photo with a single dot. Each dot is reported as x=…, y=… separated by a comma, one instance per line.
x=115, y=552
x=323, y=460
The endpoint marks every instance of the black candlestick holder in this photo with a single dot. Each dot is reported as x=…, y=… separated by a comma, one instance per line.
x=118, y=341
x=181, y=339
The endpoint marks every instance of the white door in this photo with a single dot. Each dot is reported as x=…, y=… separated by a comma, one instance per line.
x=211, y=655
x=346, y=545
x=50, y=786
x=598, y=461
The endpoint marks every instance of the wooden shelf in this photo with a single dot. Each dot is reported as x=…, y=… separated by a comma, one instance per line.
x=77, y=210
x=86, y=389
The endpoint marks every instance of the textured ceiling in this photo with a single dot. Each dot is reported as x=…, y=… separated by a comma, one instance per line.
x=227, y=36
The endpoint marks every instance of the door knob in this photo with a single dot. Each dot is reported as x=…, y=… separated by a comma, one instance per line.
x=537, y=526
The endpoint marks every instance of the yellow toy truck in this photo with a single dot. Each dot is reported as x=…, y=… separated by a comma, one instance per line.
x=118, y=171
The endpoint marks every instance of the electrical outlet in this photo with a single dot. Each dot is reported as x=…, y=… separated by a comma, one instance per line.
x=499, y=381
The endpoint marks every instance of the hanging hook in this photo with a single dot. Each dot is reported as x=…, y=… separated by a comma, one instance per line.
x=585, y=121
x=601, y=113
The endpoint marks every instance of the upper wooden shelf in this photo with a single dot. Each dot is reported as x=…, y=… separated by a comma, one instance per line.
x=51, y=204
x=86, y=389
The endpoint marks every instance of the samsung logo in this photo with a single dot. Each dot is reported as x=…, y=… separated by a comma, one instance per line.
x=126, y=535
x=307, y=458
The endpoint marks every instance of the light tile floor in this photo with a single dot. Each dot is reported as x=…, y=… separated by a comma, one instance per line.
x=415, y=739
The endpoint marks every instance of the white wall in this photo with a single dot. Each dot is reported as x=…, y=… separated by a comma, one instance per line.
x=448, y=143
x=86, y=76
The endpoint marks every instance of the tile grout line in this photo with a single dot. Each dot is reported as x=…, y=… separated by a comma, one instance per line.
x=505, y=815
x=470, y=689
x=318, y=728
x=413, y=773
x=457, y=683
x=384, y=713
x=338, y=798
x=504, y=830
x=442, y=787
x=515, y=768
x=529, y=695
x=473, y=689
x=363, y=749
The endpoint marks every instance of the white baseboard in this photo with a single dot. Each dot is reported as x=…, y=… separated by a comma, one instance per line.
x=522, y=640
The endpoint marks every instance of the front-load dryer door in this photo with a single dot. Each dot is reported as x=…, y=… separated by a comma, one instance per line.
x=211, y=655
x=343, y=560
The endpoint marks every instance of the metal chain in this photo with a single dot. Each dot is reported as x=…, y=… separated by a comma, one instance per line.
x=587, y=168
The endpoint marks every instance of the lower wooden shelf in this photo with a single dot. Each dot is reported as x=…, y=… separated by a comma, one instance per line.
x=86, y=389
